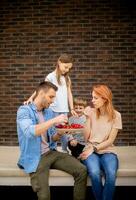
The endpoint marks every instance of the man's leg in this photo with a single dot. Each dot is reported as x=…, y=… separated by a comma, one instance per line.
x=39, y=179
x=72, y=166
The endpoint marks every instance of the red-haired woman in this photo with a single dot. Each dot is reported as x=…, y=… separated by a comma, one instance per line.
x=101, y=129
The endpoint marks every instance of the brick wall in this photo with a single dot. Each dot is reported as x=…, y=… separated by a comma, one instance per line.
x=100, y=34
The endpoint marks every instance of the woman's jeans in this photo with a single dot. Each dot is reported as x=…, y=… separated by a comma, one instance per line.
x=99, y=165
x=64, y=138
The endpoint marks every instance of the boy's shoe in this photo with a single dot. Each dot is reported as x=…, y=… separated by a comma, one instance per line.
x=65, y=151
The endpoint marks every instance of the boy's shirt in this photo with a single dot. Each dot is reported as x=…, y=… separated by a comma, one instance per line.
x=79, y=136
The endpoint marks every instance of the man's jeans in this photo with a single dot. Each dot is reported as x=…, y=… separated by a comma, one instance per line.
x=108, y=164
x=64, y=162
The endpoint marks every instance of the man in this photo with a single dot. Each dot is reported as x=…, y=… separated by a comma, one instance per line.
x=37, y=140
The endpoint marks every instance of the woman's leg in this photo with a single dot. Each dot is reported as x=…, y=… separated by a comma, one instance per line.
x=94, y=171
x=109, y=162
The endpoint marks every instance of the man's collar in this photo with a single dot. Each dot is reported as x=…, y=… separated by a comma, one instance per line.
x=34, y=107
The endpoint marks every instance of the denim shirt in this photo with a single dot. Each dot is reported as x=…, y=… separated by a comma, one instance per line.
x=30, y=144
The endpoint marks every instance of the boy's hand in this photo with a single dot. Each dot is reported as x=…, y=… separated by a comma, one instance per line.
x=73, y=143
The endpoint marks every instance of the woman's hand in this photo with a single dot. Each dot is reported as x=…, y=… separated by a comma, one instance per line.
x=87, y=111
x=84, y=155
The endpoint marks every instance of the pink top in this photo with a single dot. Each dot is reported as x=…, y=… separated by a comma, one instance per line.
x=44, y=144
x=101, y=128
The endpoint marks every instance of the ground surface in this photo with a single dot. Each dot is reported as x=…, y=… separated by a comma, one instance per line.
x=60, y=193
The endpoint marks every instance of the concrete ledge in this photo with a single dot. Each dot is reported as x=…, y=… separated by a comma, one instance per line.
x=10, y=174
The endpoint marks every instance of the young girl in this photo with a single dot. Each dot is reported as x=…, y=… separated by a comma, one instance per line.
x=64, y=99
x=101, y=128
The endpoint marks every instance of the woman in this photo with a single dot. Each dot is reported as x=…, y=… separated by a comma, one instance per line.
x=101, y=129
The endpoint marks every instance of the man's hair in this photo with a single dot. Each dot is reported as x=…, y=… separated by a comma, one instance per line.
x=46, y=85
x=80, y=102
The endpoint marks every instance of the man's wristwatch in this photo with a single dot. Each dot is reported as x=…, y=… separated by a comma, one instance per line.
x=59, y=134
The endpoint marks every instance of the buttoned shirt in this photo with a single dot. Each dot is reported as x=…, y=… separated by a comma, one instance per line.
x=30, y=144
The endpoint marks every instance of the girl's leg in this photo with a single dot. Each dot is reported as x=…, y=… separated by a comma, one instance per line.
x=109, y=162
x=94, y=171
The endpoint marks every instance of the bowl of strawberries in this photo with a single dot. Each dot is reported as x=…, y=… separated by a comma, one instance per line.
x=69, y=128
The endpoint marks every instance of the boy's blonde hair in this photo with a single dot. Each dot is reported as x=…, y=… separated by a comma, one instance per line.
x=80, y=102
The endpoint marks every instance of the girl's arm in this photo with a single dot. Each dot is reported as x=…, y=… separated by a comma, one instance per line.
x=70, y=100
x=109, y=141
x=31, y=98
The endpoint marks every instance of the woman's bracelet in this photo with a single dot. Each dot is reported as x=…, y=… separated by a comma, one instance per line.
x=95, y=148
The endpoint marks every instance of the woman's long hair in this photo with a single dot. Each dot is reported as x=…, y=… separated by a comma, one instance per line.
x=64, y=58
x=106, y=94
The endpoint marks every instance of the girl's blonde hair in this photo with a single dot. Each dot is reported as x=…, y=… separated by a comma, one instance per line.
x=105, y=92
x=64, y=58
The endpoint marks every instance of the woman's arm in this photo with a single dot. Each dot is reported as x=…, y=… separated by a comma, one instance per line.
x=109, y=141
x=87, y=129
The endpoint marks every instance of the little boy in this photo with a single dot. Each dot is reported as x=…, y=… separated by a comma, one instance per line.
x=76, y=142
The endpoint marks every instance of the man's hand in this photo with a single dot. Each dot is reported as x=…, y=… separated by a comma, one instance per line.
x=61, y=119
